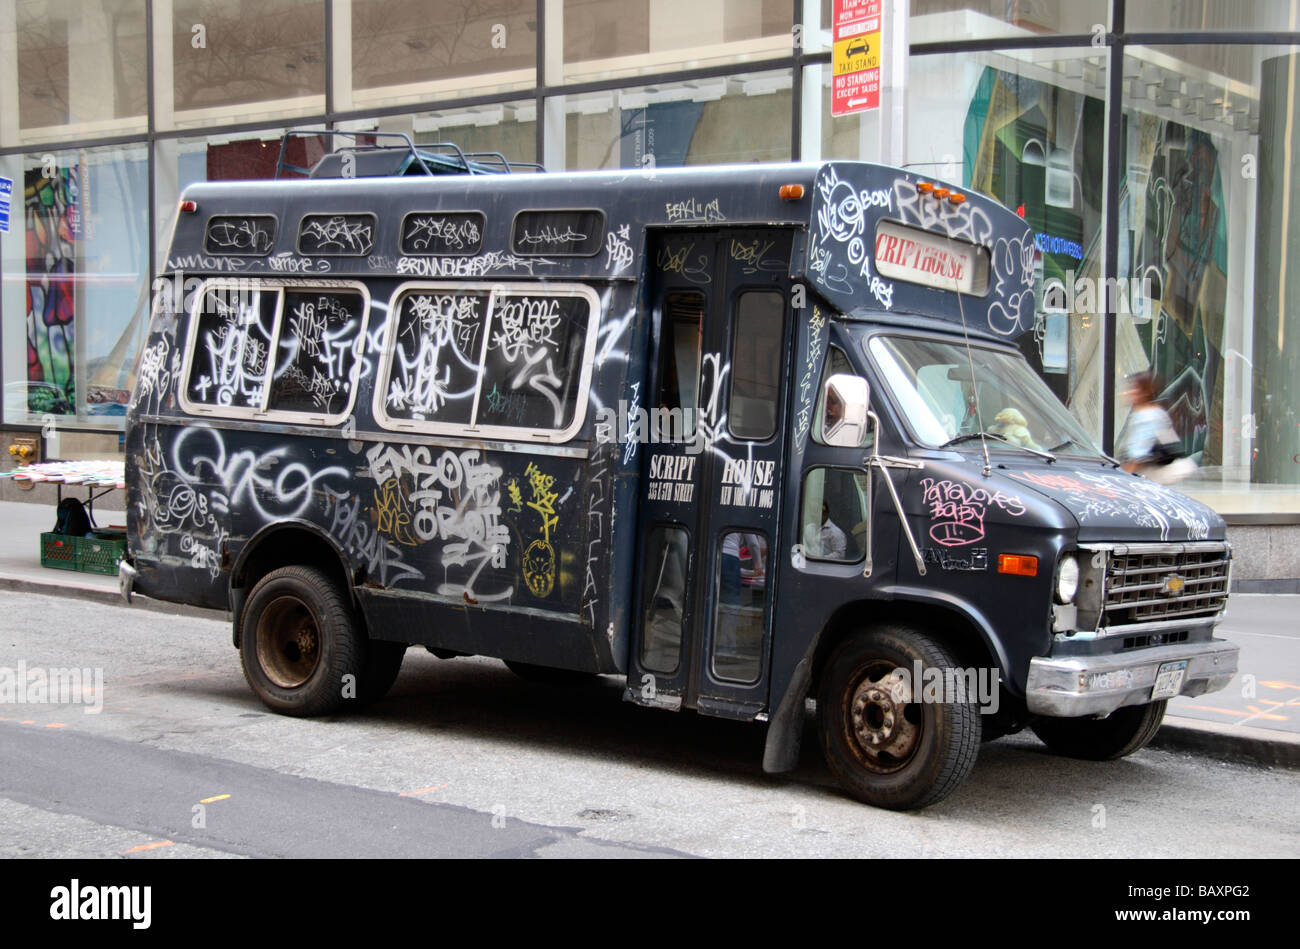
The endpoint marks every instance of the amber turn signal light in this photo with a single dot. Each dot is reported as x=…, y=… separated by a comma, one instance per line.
x=924, y=187
x=1020, y=565
x=791, y=192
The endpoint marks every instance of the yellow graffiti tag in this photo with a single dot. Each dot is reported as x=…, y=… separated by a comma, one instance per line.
x=393, y=513
x=539, y=558
x=516, y=497
x=543, y=501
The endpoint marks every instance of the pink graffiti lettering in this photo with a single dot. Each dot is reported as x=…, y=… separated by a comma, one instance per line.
x=957, y=510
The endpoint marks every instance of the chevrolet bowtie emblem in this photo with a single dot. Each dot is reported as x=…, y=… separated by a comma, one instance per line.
x=1173, y=585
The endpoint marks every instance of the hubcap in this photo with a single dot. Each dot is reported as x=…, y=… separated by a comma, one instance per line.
x=883, y=721
x=288, y=642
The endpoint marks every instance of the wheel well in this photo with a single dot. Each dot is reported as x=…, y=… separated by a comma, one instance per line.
x=949, y=627
x=285, y=547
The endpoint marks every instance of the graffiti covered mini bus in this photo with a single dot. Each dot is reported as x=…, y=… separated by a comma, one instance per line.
x=744, y=436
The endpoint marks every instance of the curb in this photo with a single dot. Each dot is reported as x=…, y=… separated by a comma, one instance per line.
x=106, y=596
x=1238, y=743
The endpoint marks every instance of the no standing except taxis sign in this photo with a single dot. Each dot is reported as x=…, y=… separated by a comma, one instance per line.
x=856, y=58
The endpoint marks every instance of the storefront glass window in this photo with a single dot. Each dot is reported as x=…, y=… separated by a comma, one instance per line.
x=408, y=50
x=1181, y=16
x=1029, y=131
x=1207, y=243
x=701, y=122
x=233, y=61
x=604, y=39
x=937, y=21
x=75, y=289
x=79, y=68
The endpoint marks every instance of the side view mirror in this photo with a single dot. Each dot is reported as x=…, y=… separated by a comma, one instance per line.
x=847, y=399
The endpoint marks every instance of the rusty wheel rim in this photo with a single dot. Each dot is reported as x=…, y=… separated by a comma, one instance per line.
x=882, y=722
x=288, y=642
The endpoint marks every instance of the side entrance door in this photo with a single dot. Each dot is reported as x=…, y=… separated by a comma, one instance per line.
x=711, y=428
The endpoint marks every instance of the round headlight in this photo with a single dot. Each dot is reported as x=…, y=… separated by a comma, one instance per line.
x=1067, y=579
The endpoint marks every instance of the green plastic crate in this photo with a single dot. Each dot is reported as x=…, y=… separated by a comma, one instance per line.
x=59, y=551
x=99, y=553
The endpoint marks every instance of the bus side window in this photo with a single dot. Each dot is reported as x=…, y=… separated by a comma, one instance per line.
x=741, y=606
x=679, y=367
x=231, y=346
x=317, y=351
x=437, y=355
x=756, y=364
x=532, y=366
x=834, y=514
x=667, y=555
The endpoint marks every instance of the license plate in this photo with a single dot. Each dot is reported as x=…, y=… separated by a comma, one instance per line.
x=1169, y=680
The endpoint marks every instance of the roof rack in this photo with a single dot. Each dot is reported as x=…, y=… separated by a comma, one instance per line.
x=507, y=164
x=375, y=160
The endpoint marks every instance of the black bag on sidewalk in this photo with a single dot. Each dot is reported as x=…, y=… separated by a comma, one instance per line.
x=71, y=518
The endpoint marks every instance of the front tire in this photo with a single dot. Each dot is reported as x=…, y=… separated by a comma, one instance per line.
x=883, y=747
x=300, y=641
x=1119, y=734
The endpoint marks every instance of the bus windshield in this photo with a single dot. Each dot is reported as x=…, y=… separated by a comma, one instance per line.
x=933, y=387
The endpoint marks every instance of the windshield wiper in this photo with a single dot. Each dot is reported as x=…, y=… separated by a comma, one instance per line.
x=967, y=437
x=1071, y=441
x=1002, y=438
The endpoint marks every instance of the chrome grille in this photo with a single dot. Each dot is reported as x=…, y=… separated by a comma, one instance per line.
x=1143, y=585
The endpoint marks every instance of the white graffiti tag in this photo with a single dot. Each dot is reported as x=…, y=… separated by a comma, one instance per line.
x=458, y=502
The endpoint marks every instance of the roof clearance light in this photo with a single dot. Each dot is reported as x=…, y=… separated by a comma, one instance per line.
x=791, y=192
x=924, y=187
x=956, y=198
x=941, y=193
x=189, y=207
x=1020, y=565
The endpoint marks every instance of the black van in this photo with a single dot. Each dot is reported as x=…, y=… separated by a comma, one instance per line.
x=742, y=435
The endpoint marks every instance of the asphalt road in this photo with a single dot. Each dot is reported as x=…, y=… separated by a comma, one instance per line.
x=465, y=759
x=1266, y=691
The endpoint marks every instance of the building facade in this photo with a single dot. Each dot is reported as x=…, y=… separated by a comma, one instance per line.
x=1152, y=147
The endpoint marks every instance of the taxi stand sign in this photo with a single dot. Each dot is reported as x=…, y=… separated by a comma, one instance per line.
x=855, y=83
x=6, y=196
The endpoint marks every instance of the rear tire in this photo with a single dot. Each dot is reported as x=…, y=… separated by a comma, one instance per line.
x=300, y=640
x=1119, y=734
x=884, y=748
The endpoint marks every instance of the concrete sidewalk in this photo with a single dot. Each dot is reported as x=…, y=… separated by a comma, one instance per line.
x=21, y=526
x=1257, y=718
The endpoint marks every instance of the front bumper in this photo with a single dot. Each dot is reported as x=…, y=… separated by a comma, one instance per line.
x=1074, y=686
